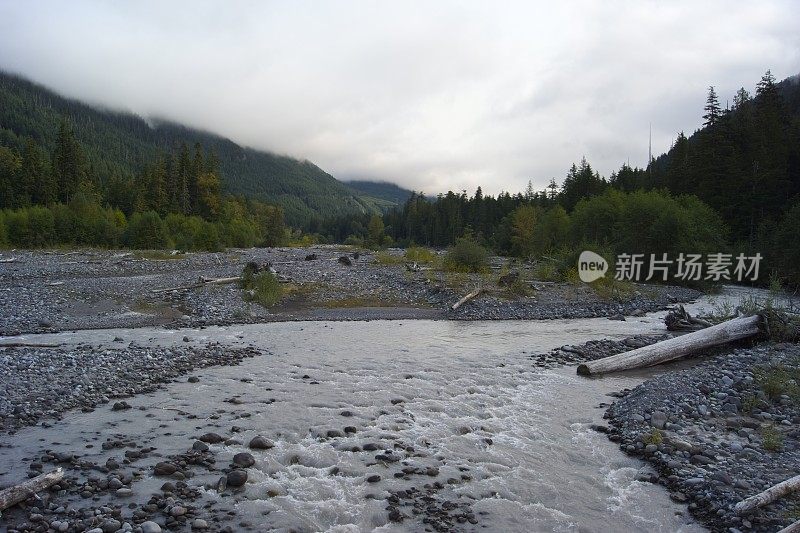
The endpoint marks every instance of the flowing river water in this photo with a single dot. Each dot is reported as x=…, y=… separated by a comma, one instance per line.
x=509, y=440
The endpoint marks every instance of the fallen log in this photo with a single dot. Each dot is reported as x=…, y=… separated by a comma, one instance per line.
x=738, y=328
x=465, y=299
x=21, y=492
x=8, y=260
x=791, y=528
x=768, y=496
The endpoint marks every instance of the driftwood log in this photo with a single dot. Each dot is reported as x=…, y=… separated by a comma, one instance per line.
x=22, y=491
x=738, y=328
x=680, y=320
x=791, y=528
x=768, y=496
x=465, y=299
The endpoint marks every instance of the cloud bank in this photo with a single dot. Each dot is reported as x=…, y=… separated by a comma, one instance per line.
x=430, y=95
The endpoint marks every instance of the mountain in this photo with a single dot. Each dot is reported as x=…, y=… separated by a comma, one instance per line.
x=123, y=143
x=388, y=193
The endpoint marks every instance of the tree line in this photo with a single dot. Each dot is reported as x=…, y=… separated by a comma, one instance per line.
x=732, y=185
x=60, y=198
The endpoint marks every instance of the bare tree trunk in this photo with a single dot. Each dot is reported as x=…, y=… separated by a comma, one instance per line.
x=738, y=328
x=768, y=496
x=21, y=492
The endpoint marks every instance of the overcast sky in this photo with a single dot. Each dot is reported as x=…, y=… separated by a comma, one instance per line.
x=430, y=95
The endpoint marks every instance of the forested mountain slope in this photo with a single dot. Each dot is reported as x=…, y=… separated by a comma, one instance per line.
x=119, y=143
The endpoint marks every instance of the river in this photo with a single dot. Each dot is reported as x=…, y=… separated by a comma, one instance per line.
x=510, y=441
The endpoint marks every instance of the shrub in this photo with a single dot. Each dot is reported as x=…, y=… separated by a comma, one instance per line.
x=146, y=231
x=771, y=439
x=261, y=287
x=466, y=255
x=654, y=437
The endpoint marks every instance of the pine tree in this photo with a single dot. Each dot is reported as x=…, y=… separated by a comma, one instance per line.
x=68, y=163
x=712, y=109
x=740, y=99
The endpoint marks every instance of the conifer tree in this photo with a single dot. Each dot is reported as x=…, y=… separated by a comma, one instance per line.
x=712, y=109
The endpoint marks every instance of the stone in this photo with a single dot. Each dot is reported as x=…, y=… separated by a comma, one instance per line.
x=261, y=443
x=164, y=469
x=236, y=478
x=212, y=438
x=373, y=478
x=658, y=419
x=199, y=523
x=111, y=525
x=124, y=492
x=150, y=527
x=244, y=459
x=200, y=446
x=178, y=510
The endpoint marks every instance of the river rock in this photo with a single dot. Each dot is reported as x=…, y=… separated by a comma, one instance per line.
x=164, y=469
x=261, y=443
x=212, y=438
x=150, y=527
x=236, y=478
x=244, y=459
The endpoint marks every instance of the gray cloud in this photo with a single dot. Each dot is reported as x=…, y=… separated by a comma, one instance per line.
x=434, y=96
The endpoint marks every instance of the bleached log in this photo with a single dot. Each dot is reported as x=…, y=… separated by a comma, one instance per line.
x=465, y=299
x=791, y=528
x=8, y=260
x=768, y=496
x=22, y=491
x=738, y=328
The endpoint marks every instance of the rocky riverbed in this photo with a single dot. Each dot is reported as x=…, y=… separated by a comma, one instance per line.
x=43, y=291
x=430, y=428
x=720, y=432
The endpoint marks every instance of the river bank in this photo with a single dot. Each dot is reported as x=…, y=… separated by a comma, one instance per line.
x=91, y=289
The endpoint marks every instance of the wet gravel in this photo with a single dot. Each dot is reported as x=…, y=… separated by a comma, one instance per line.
x=719, y=432
x=40, y=384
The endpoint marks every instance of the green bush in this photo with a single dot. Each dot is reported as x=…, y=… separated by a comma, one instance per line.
x=771, y=439
x=146, y=231
x=466, y=255
x=262, y=287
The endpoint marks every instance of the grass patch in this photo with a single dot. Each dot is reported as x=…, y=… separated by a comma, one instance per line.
x=610, y=289
x=261, y=287
x=419, y=254
x=654, y=437
x=771, y=439
x=385, y=258
x=778, y=380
